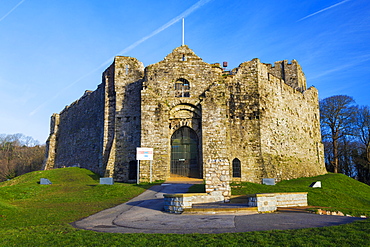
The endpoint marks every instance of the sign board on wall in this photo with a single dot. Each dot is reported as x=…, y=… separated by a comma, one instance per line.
x=144, y=153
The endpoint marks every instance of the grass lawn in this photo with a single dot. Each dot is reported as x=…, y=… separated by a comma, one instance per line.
x=338, y=192
x=39, y=215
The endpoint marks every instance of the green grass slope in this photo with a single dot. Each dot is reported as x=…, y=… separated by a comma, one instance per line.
x=338, y=192
x=74, y=193
x=40, y=215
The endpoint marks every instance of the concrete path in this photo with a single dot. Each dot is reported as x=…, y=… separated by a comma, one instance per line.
x=144, y=214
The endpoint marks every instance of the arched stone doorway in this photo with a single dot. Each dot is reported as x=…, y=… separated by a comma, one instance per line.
x=185, y=153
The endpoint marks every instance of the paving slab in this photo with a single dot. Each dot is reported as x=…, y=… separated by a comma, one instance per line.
x=144, y=214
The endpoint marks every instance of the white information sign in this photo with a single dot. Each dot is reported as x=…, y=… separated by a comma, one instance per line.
x=144, y=153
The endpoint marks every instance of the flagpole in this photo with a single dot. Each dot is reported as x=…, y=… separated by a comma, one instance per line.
x=183, y=31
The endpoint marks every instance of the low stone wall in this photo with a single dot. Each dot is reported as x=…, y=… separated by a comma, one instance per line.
x=175, y=203
x=296, y=199
x=268, y=202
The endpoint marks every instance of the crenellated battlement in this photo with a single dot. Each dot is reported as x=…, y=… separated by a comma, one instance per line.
x=291, y=73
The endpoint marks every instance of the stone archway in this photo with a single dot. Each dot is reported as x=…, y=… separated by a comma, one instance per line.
x=185, y=141
x=185, y=153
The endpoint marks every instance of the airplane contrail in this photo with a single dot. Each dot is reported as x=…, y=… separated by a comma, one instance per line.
x=355, y=61
x=317, y=12
x=187, y=12
x=16, y=6
x=168, y=24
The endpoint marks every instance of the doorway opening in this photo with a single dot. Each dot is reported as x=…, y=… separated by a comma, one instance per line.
x=185, y=153
x=236, y=168
x=132, y=170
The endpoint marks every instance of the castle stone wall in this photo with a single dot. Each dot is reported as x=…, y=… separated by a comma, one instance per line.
x=122, y=115
x=289, y=123
x=244, y=123
x=261, y=115
x=51, y=143
x=79, y=133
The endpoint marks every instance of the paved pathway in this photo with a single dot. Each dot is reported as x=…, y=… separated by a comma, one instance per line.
x=144, y=214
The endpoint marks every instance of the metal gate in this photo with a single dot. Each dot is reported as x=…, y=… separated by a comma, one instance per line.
x=185, y=153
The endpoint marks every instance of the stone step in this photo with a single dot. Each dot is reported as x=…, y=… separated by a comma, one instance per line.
x=239, y=199
x=220, y=205
x=226, y=208
x=176, y=179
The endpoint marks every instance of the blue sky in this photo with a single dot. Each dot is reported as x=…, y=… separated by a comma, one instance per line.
x=52, y=51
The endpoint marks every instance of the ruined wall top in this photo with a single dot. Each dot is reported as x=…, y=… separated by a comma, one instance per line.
x=182, y=54
x=291, y=73
x=183, y=63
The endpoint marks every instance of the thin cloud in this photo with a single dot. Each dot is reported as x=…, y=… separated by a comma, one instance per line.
x=187, y=12
x=356, y=61
x=330, y=7
x=16, y=6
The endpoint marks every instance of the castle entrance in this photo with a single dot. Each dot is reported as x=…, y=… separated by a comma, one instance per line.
x=185, y=153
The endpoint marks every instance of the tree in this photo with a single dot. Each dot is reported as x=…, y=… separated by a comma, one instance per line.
x=337, y=114
x=19, y=154
x=346, y=146
x=362, y=153
x=363, y=126
x=7, y=166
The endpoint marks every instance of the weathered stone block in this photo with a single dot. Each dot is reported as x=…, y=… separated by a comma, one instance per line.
x=268, y=181
x=45, y=181
x=316, y=184
x=108, y=181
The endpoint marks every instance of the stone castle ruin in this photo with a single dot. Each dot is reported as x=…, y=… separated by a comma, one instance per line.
x=255, y=121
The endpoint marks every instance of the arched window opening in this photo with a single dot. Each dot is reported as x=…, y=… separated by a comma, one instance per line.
x=236, y=168
x=182, y=88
